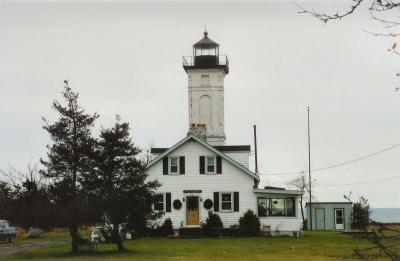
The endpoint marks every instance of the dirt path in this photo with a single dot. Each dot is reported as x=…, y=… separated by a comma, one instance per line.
x=12, y=249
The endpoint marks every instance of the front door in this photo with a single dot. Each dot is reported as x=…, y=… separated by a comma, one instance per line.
x=320, y=219
x=339, y=218
x=192, y=210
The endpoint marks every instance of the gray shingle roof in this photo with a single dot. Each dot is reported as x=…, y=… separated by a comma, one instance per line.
x=205, y=42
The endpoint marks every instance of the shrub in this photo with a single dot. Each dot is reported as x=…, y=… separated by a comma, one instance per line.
x=167, y=228
x=250, y=224
x=360, y=214
x=213, y=223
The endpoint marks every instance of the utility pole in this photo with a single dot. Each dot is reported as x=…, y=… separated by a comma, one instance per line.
x=309, y=165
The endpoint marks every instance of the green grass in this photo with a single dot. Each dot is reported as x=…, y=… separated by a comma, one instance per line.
x=313, y=246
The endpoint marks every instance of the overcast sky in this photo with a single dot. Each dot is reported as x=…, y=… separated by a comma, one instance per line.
x=125, y=58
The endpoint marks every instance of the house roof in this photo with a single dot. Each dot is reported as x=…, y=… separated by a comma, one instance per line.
x=345, y=202
x=224, y=156
x=278, y=191
x=225, y=148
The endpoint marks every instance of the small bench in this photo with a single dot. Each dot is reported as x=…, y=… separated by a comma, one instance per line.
x=266, y=231
x=86, y=243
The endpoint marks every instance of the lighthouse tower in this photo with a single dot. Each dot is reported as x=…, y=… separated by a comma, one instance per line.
x=206, y=71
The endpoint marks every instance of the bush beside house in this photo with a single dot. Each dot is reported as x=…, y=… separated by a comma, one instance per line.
x=213, y=225
x=167, y=228
x=249, y=224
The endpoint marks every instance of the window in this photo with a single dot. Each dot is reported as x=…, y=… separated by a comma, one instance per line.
x=205, y=80
x=173, y=165
x=277, y=207
x=290, y=207
x=339, y=216
x=262, y=207
x=159, y=202
x=210, y=164
x=226, y=201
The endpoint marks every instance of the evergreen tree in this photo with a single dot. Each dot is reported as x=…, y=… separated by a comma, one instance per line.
x=360, y=214
x=119, y=185
x=68, y=159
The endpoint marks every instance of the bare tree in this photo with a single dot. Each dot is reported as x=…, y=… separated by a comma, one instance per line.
x=385, y=12
x=24, y=198
x=301, y=183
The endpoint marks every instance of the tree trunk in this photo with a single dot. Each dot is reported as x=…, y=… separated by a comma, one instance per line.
x=301, y=205
x=117, y=238
x=75, y=239
x=302, y=211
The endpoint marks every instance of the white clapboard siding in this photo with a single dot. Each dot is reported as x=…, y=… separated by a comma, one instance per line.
x=232, y=179
x=240, y=157
x=281, y=225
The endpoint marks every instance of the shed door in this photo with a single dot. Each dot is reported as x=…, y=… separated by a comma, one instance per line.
x=339, y=218
x=320, y=219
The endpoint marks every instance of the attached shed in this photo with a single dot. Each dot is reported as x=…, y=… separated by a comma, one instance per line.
x=329, y=215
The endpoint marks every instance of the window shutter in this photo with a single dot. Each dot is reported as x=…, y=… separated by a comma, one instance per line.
x=168, y=202
x=216, y=201
x=219, y=165
x=235, y=201
x=165, y=166
x=202, y=164
x=182, y=164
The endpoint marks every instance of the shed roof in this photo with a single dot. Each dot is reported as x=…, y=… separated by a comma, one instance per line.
x=328, y=203
x=279, y=191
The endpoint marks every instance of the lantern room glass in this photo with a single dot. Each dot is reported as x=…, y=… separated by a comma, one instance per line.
x=206, y=51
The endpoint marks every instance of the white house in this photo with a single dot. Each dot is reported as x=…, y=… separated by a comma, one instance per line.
x=200, y=173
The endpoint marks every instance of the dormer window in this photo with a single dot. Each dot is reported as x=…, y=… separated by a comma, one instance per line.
x=210, y=164
x=173, y=165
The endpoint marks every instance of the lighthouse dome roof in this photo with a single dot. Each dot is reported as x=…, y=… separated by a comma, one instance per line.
x=205, y=42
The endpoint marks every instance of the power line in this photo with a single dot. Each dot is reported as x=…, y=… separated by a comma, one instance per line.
x=369, y=174
x=360, y=183
x=338, y=164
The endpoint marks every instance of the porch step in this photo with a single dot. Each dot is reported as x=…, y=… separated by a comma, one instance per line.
x=190, y=232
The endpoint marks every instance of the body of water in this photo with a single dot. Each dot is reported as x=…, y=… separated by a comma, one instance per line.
x=385, y=215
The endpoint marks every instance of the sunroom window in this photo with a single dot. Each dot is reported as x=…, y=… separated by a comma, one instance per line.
x=277, y=207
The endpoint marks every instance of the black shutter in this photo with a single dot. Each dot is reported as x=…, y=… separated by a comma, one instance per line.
x=168, y=202
x=182, y=164
x=219, y=165
x=216, y=201
x=165, y=166
x=235, y=201
x=202, y=164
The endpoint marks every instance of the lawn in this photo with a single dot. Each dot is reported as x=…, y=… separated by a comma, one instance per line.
x=313, y=246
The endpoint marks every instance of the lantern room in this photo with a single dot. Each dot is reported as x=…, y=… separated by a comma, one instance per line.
x=206, y=52
x=206, y=55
